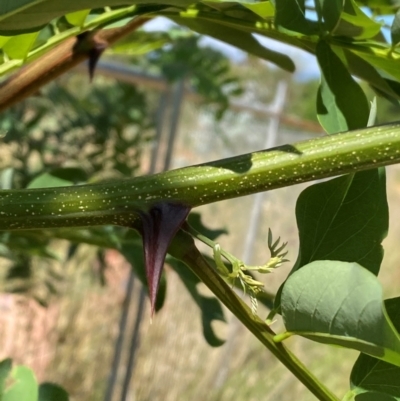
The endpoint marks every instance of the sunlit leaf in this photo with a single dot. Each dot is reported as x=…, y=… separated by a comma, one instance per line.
x=264, y=9
x=355, y=23
x=376, y=58
x=19, y=46
x=24, y=386
x=368, y=73
x=4, y=40
x=45, y=41
x=78, y=17
x=340, y=303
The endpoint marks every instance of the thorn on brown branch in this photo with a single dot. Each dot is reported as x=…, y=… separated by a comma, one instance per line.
x=29, y=79
x=94, y=46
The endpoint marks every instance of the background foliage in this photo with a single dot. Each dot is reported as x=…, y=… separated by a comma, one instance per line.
x=341, y=222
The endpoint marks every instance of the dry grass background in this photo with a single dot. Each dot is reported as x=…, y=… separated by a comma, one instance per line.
x=71, y=342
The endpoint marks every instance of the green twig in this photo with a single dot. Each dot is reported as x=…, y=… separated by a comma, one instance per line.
x=184, y=249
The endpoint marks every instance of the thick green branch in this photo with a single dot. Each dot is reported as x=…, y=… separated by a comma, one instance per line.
x=118, y=202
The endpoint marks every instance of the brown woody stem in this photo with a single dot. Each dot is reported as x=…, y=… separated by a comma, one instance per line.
x=59, y=60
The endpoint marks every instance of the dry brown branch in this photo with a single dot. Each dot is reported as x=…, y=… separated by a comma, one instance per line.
x=59, y=60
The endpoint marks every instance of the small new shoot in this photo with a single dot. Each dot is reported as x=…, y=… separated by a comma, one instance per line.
x=238, y=270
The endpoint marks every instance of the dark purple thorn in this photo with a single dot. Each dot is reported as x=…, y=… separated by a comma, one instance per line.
x=93, y=46
x=159, y=226
x=94, y=54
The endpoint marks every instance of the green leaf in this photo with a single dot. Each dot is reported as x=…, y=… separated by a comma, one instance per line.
x=368, y=73
x=375, y=57
x=47, y=39
x=47, y=180
x=355, y=23
x=143, y=43
x=72, y=174
x=4, y=40
x=19, y=46
x=395, y=29
x=23, y=386
x=5, y=369
x=264, y=9
x=290, y=15
x=340, y=303
x=372, y=396
x=78, y=17
x=371, y=374
x=344, y=219
x=21, y=16
x=52, y=392
x=341, y=103
x=59, y=177
x=210, y=307
x=235, y=37
x=330, y=12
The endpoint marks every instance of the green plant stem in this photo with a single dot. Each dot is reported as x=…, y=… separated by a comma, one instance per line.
x=228, y=256
x=184, y=249
x=118, y=202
